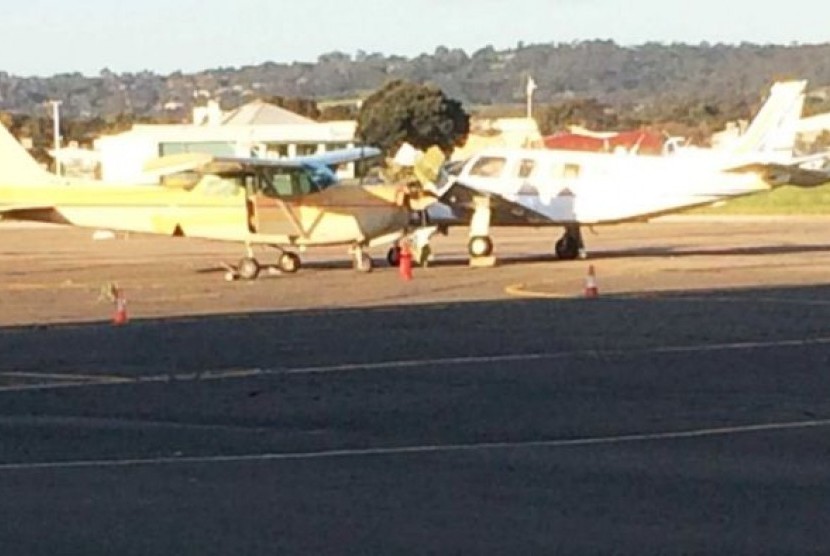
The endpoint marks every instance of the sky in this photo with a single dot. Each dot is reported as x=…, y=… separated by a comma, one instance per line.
x=47, y=37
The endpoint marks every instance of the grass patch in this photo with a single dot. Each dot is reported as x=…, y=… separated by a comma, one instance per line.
x=783, y=200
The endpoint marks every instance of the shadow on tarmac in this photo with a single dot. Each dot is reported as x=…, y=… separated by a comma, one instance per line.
x=395, y=332
x=598, y=255
x=192, y=460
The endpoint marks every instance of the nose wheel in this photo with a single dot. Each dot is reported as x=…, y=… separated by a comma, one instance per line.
x=480, y=246
x=361, y=261
x=289, y=262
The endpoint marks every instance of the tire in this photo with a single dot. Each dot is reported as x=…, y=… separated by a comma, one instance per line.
x=248, y=268
x=393, y=256
x=364, y=264
x=480, y=246
x=567, y=248
x=289, y=262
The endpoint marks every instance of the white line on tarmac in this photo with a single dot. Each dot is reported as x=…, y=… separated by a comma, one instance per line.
x=423, y=449
x=231, y=374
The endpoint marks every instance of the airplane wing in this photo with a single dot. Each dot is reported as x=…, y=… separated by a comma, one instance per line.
x=339, y=156
x=176, y=163
x=173, y=164
x=331, y=158
x=461, y=200
x=803, y=172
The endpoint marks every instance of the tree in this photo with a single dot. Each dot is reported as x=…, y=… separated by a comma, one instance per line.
x=402, y=111
x=588, y=112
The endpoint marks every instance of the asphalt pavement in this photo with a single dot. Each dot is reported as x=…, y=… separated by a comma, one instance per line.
x=684, y=411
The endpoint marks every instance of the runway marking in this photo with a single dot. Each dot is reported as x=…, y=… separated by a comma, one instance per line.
x=423, y=448
x=518, y=290
x=57, y=376
x=229, y=374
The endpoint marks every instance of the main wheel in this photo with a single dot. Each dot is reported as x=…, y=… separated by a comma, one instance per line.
x=424, y=255
x=248, y=268
x=363, y=263
x=289, y=262
x=567, y=248
x=393, y=256
x=480, y=246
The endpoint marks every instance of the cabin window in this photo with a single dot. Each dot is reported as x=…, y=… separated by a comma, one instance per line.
x=488, y=167
x=525, y=168
x=566, y=171
x=277, y=184
x=287, y=183
x=303, y=184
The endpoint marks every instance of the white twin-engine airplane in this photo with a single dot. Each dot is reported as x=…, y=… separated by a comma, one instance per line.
x=539, y=187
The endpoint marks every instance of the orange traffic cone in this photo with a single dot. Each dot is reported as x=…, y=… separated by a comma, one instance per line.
x=120, y=316
x=405, y=262
x=591, y=289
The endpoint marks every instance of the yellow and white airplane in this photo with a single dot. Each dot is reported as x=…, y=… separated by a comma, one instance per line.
x=540, y=187
x=285, y=204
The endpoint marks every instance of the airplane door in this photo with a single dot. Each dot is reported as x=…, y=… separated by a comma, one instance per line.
x=271, y=210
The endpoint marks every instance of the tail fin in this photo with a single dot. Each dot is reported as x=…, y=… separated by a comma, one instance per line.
x=773, y=130
x=16, y=165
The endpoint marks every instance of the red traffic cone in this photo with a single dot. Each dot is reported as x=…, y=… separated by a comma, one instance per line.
x=591, y=289
x=405, y=262
x=120, y=316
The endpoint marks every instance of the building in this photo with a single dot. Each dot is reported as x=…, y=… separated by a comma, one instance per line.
x=257, y=129
x=640, y=141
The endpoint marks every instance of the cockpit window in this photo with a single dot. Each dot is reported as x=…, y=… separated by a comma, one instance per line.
x=287, y=182
x=488, y=167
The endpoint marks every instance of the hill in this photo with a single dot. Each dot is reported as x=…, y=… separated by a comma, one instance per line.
x=643, y=76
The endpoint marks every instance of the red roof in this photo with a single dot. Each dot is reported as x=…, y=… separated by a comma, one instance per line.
x=646, y=142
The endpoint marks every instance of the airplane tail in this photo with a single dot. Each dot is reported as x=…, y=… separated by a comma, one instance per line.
x=772, y=132
x=16, y=165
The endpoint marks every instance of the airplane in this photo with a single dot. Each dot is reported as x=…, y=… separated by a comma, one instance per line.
x=286, y=204
x=571, y=189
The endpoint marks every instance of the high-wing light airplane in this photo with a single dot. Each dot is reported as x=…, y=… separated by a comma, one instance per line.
x=284, y=204
x=539, y=187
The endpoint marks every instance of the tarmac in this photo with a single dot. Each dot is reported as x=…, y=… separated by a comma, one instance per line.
x=469, y=411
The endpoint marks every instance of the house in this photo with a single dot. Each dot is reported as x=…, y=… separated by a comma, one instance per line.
x=257, y=129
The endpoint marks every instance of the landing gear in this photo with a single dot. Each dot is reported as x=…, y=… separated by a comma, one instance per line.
x=248, y=268
x=393, y=256
x=570, y=246
x=361, y=262
x=289, y=262
x=480, y=246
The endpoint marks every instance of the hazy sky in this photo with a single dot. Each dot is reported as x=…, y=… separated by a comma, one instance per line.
x=44, y=37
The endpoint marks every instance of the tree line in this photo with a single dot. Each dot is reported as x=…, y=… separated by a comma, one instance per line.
x=689, y=90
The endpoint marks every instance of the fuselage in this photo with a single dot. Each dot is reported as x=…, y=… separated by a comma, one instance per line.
x=593, y=188
x=334, y=215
